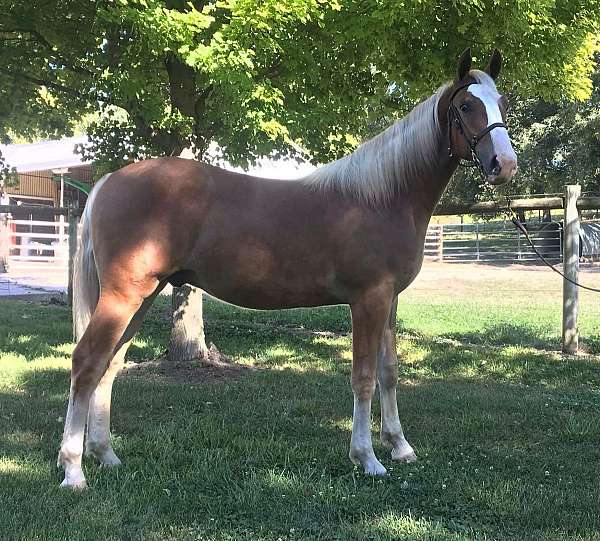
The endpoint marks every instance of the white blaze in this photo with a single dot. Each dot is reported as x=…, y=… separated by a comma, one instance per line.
x=500, y=138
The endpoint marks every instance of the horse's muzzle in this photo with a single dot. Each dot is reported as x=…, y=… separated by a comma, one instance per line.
x=503, y=170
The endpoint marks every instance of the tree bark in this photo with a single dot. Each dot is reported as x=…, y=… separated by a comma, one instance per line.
x=187, y=332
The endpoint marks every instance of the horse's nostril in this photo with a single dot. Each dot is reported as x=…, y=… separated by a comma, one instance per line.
x=495, y=166
x=507, y=165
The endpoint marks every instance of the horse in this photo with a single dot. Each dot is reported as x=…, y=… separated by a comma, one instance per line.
x=351, y=232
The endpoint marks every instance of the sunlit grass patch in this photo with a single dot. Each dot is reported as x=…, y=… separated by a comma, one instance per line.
x=344, y=424
x=8, y=466
x=405, y=527
x=65, y=349
x=279, y=352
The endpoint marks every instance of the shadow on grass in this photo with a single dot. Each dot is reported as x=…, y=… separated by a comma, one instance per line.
x=428, y=359
x=508, y=334
x=242, y=332
x=33, y=330
x=328, y=318
x=29, y=346
x=264, y=457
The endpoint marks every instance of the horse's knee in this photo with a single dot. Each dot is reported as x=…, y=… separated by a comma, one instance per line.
x=363, y=385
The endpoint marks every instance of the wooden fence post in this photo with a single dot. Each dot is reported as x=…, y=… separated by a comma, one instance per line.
x=571, y=270
x=72, y=249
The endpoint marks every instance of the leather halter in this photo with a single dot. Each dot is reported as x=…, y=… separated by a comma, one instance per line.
x=455, y=118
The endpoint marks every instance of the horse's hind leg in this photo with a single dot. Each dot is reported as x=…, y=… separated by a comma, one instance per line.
x=387, y=373
x=90, y=361
x=97, y=437
x=97, y=441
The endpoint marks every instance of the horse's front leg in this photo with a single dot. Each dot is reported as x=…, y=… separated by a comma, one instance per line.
x=387, y=373
x=369, y=316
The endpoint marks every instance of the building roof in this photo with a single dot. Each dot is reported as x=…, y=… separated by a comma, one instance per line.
x=44, y=155
x=47, y=155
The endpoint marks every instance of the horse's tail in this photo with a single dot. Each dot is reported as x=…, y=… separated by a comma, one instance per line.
x=86, y=286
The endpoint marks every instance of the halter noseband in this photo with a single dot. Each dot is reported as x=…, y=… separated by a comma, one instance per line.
x=454, y=117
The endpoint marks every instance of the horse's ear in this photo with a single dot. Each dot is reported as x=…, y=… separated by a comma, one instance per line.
x=464, y=64
x=495, y=65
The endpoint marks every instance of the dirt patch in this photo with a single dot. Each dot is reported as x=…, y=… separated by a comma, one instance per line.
x=217, y=367
x=467, y=279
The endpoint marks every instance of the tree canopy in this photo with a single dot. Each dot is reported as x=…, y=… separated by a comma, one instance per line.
x=269, y=76
x=559, y=143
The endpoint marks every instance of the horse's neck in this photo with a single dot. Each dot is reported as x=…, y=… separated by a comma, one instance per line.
x=428, y=191
x=425, y=194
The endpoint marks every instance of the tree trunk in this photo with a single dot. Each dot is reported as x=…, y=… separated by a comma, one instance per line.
x=187, y=333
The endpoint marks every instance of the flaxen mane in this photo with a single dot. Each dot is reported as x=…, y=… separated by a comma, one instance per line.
x=394, y=160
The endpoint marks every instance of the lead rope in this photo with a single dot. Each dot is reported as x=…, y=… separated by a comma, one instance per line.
x=510, y=214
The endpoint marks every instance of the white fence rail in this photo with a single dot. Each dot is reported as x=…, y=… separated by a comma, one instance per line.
x=434, y=243
x=43, y=245
x=37, y=246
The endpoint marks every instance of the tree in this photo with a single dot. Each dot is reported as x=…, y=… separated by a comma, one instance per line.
x=559, y=143
x=258, y=77
x=268, y=77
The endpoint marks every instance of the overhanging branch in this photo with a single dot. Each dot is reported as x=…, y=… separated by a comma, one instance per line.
x=49, y=84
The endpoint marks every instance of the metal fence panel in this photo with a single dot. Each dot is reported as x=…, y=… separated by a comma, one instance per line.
x=497, y=241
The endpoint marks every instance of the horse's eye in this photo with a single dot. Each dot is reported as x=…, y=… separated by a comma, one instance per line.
x=465, y=107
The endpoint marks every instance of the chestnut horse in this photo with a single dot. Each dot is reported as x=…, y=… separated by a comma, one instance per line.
x=352, y=232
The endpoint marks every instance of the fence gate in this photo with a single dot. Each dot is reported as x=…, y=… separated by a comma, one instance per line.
x=492, y=242
x=34, y=248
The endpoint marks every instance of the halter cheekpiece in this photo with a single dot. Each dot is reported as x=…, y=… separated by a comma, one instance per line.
x=454, y=117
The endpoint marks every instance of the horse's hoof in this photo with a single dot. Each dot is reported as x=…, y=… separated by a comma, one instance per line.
x=375, y=468
x=402, y=451
x=109, y=460
x=80, y=484
x=404, y=454
x=106, y=458
x=113, y=462
x=368, y=461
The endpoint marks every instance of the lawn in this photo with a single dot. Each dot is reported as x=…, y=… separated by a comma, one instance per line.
x=507, y=430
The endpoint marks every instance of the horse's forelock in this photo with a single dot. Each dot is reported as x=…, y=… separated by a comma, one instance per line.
x=483, y=78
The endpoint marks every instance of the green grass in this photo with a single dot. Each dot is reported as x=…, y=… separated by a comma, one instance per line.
x=507, y=431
